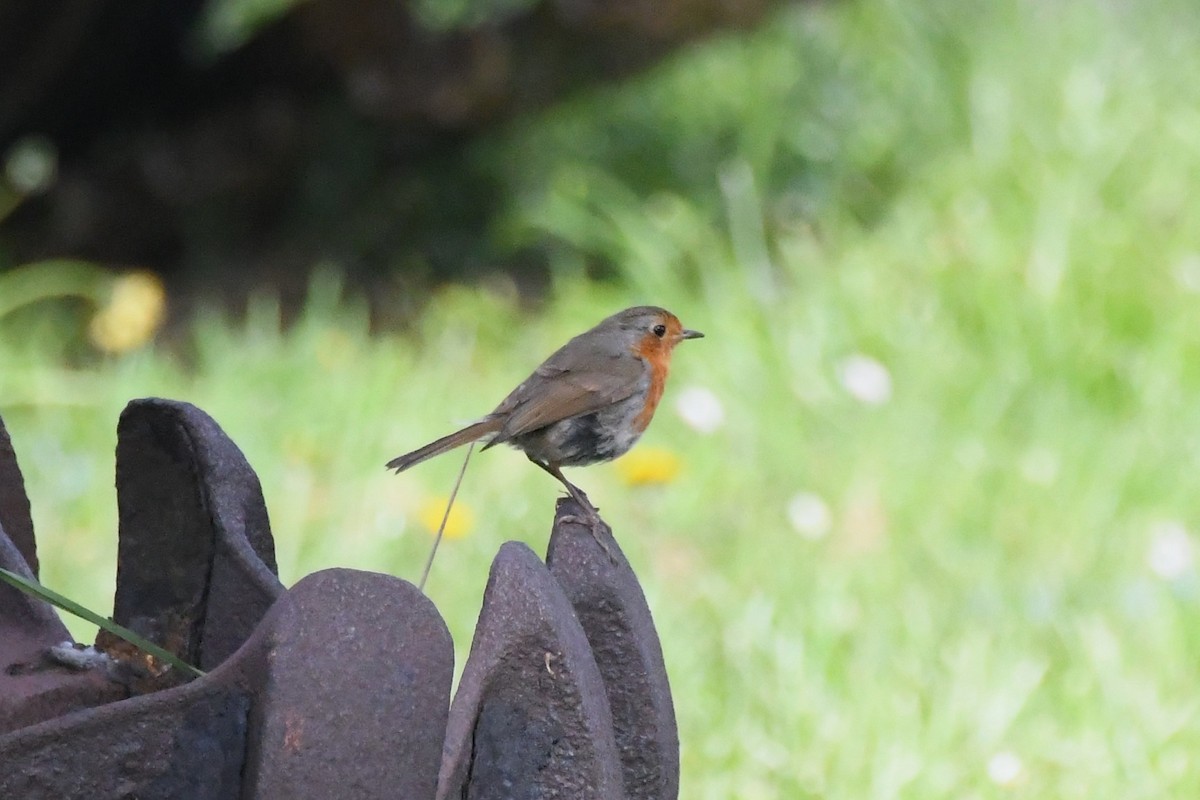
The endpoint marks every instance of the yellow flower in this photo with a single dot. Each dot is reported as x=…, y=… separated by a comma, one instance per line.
x=648, y=465
x=133, y=314
x=458, y=525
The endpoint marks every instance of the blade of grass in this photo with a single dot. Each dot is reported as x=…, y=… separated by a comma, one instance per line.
x=34, y=588
x=445, y=517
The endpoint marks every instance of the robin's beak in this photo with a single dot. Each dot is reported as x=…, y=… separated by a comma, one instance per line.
x=691, y=334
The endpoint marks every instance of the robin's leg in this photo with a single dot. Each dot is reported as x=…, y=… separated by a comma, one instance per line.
x=576, y=493
x=595, y=524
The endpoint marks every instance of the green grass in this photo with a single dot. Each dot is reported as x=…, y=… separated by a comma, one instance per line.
x=994, y=201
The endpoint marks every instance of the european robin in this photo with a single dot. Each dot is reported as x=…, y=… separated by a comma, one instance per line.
x=588, y=402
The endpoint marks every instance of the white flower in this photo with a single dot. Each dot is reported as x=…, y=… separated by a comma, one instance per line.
x=1005, y=768
x=866, y=379
x=700, y=408
x=809, y=515
x=1172, y=553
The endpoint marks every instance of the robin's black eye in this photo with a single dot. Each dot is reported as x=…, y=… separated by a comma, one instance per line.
x=659, y=330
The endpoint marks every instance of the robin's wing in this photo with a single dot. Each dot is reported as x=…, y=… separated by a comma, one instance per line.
x=572, y=382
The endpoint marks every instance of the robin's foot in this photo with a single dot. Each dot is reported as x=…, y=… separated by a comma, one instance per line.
x=591, y=516
x=579, y=496
x=598, y=528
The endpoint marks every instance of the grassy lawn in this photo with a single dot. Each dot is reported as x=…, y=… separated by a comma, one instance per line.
x=940, y=539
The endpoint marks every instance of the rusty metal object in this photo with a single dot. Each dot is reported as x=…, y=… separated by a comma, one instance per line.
x=612, y=609
x=530, y=718
x=340, y=687
x=196, y=561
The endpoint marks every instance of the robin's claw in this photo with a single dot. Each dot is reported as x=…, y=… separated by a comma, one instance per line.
x=612, y=557
x=585, y=505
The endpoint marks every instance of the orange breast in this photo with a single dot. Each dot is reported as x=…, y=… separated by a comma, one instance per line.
x=658, y=355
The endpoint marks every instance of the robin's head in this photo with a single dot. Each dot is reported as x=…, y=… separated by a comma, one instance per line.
x=653, y=332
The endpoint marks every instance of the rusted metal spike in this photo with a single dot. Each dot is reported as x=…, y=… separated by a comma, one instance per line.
x=23, y=616
x=30, y=689
x=612, y=609
x=14, y=504
x=352, y=687
x=530, y=718
x=196, y=563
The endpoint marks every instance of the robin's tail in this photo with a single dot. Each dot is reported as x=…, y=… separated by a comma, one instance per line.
x=445, y=444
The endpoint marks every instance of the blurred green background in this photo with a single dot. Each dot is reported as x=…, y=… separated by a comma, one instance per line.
x=916, y=519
